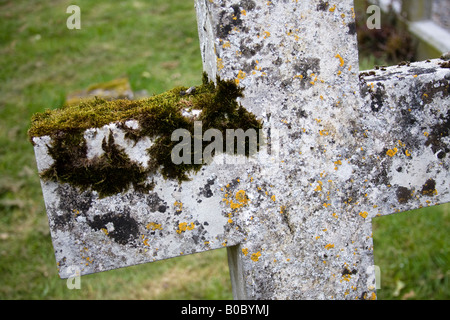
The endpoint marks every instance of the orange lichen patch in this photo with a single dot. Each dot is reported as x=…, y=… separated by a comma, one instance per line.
x=240, y=200
x=392, y=152
x=319, y=186
x=255, y=256
x=337, y=163
x=346, y=277
x=220, y=65
x=372, y=296
x=332, y=9
x=273, y=198
x=241, y=75
x=340, y=58
x=245, y=251
x=407, y=153
x=329, y=246
x=153, y=226
x=364, y=214
x=183, y=226
x=178, y=205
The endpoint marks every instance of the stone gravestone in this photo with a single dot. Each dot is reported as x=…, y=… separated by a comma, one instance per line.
x=340, y=149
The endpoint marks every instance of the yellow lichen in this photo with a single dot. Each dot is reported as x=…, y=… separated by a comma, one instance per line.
x=329, y=246
x=392, y=152
x=154, y=226
x=183, y=226
x=241, y=75
x=220, y=65
x=337, y=163
x=255, y=256
x=346, y=277
x=178, y=205
x=240, y=200
x=340, y=59
x=364, y=214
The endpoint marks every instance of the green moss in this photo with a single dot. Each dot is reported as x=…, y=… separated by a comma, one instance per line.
x=158, y=117
x=108, y=174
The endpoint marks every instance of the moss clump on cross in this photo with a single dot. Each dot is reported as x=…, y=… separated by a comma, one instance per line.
x=158, y=117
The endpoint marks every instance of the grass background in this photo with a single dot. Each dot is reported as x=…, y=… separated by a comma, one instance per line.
x=155, y=44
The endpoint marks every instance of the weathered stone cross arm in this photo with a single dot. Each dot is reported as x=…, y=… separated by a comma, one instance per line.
x=340, y=149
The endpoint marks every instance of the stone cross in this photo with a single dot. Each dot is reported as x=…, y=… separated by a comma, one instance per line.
x=343, y=148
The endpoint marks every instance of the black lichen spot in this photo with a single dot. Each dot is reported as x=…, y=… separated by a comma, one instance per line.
x=304, y=69
x=206, y=190
x=125, y=228
x=249, y=52
x=227, y=22
x=234, y=183
x=346, y=271
x=63, y=222
x=435, y=138
x=155, y=203
x=429, y=90
x=382, y=177
x=352, y=28
x=74, y=204
x=74, y=200
x=378, y=97
x=429, y=188
x=403, y=194
x=420, y=71
x=323, y=6
x=248, y=5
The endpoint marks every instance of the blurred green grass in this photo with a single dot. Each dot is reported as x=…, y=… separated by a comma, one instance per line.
x=155, y=44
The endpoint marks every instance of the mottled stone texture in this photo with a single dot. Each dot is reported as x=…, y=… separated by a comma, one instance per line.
x=342, y=148
x=350, y=149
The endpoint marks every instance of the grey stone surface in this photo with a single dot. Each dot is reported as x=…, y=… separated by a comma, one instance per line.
x=343, y=148
x=310, y=236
